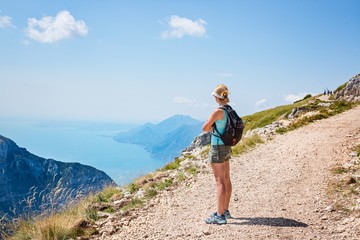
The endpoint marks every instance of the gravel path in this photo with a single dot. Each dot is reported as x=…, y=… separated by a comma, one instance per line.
x=279, y=192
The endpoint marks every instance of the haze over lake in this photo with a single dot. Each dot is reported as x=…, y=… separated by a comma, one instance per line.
x=87, y=143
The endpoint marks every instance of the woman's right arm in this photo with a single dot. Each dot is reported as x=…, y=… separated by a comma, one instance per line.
x=215, y=115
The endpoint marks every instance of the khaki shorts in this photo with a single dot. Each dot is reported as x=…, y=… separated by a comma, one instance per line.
x=219, y=153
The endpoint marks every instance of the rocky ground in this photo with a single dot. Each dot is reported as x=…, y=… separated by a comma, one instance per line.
x=280, y=191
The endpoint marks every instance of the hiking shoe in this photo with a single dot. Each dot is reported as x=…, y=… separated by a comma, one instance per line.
x=226, y=213
x=216, y=219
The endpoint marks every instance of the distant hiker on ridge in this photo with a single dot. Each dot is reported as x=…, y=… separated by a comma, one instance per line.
x=219, y=157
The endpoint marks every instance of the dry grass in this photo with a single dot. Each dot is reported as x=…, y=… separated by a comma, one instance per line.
x=246, y=144
x=344, y=187
x=68, y=224
x=322, y=113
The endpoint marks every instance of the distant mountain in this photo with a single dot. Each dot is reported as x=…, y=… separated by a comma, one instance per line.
x=166, y=139
x=43, y=184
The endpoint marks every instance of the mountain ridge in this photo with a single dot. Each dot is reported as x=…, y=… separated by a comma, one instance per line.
x=166, y=139
x=27, y=176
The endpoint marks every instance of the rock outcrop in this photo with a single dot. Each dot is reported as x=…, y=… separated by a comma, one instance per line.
x=29, y=183
x=201, y=140
x=351, y=92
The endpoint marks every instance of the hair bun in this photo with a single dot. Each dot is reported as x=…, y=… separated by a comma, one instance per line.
x=224, y=94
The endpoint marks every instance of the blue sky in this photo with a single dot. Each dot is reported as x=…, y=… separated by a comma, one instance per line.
x=139, y=61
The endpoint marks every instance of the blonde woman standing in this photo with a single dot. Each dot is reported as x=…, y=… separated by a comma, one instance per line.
x=219, y=157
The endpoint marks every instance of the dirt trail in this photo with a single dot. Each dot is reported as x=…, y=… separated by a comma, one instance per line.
x=279, y=191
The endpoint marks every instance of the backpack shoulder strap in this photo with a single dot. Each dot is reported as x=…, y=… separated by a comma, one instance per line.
x=226, y=108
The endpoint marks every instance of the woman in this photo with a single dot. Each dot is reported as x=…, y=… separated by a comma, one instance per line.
x=219, y=157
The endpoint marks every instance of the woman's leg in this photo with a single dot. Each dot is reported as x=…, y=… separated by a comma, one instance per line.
x=219, y=174
x=228, y=186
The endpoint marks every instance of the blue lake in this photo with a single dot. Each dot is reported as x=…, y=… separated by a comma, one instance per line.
x=87, y=143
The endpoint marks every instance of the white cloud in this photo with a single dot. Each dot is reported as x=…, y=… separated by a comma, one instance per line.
x=262, y=103
x=294, y=97
x=179, y=27
x=51, y=29
x=5, y=22
x=182, y=100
